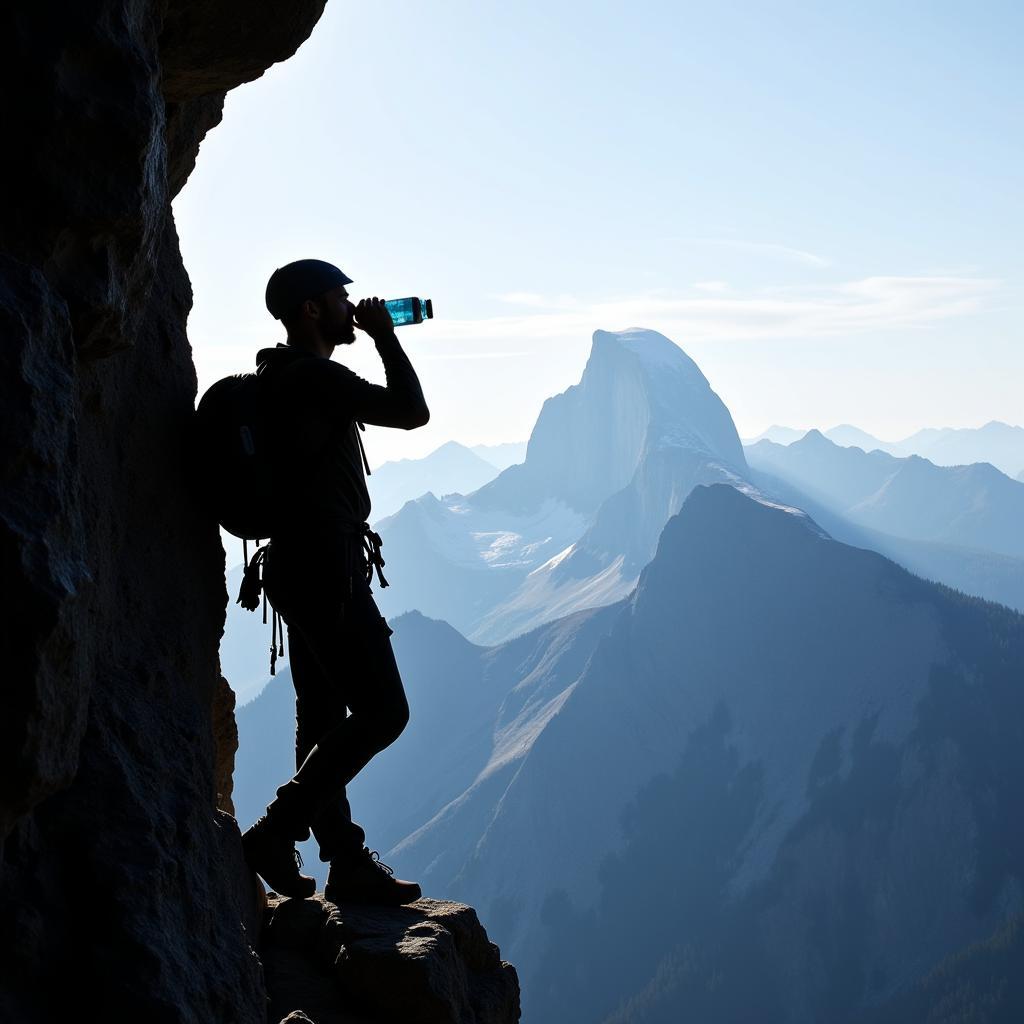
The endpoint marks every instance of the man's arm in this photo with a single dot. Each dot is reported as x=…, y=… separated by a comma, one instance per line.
x=400, y=402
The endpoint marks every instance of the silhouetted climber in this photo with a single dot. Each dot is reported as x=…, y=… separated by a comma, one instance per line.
x=317, y=569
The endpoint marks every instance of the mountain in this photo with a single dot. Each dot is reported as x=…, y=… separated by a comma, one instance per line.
x=972, y=506
x=998, y=443
x=458, y=692
x=848, y=436
x=780, y=435
x=984, y=574
x=778, y=782
x=608, y=462
x=501, y=456
x=452, y=468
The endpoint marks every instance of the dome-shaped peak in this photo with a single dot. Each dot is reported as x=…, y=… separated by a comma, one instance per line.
x=652, y=349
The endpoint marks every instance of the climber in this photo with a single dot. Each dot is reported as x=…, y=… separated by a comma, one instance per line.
x=317, y=569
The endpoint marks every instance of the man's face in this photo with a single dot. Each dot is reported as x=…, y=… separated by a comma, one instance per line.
x=337, y=323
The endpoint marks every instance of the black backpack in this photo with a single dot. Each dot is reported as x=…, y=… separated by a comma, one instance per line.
x=233, y=454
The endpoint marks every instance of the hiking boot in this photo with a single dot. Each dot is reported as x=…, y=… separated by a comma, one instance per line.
x=363, y=878
x=274, y=858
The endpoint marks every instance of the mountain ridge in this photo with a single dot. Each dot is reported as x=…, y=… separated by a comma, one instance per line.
x=973, y=506
x=996, y=442
x=874, y=643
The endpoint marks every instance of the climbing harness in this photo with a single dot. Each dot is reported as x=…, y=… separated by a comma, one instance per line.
x=252, y=592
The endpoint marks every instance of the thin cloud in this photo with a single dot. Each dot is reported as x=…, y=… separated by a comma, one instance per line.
x=450, y=356
x=523, y=299
x=868, y=304
x=773, y=249
x=537, y=301
x=871, y=304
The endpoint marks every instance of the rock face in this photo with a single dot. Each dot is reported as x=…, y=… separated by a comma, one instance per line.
x=428, y=963
x=119, y=878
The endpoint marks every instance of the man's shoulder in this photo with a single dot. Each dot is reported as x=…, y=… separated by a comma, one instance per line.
x=315, y=388
x=315, y=376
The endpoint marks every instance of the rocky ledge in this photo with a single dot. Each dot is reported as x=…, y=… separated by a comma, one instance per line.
x=428, y=963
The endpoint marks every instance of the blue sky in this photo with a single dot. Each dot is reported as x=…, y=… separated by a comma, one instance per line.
x=820, y=202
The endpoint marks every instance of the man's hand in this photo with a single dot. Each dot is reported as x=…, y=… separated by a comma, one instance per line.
x=373, y=317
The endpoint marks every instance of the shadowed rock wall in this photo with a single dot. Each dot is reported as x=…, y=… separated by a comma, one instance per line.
x=119, y=878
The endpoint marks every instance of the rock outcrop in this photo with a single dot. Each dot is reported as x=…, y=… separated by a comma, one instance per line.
x=428, y=963
x=120, y=880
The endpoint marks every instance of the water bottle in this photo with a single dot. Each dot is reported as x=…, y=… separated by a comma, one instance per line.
x=409, y=311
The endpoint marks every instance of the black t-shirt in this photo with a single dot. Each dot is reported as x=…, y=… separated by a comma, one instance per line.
x=318, y=405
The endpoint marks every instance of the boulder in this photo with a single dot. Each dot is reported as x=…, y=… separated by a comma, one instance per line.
x=427, y=963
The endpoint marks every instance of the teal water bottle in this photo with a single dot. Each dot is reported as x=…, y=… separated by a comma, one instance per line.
x=409, y=311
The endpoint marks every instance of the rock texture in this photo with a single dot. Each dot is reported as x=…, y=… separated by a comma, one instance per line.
x=428, y=963
x=119, y=878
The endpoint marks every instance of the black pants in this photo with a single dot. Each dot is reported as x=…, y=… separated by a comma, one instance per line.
x=349, y=699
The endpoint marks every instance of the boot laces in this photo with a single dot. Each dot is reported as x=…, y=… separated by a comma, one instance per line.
x=374, y=858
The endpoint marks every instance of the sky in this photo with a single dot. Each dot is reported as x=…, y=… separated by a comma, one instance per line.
x=820, y=203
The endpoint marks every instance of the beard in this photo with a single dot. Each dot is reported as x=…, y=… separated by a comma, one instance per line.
x=346, y=335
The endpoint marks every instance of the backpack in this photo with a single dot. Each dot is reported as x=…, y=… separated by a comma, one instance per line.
x=232, y=454
x=233, y=461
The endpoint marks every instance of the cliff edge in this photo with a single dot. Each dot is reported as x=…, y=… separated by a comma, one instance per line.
x=428, y=963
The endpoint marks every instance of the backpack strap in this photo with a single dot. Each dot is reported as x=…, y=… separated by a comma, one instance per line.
x=362, y=450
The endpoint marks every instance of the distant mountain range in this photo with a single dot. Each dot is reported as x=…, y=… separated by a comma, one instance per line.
x=956, y=525
x=777, y=434
x=973, y=506
x=997, y=443
x=501, y=456
x=779, y=782
x=450, y=469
